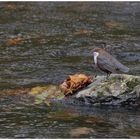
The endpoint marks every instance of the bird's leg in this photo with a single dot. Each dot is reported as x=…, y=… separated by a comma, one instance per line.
x=107, y=77
x=95, y=75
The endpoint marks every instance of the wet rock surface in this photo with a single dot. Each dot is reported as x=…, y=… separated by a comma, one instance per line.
x=119, y=89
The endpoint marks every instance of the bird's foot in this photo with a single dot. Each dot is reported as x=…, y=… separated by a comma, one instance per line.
x=106, y=79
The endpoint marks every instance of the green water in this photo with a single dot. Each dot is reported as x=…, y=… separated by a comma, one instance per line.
x=56, y=40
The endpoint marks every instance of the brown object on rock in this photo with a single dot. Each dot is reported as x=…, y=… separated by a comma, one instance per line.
x=74, y=83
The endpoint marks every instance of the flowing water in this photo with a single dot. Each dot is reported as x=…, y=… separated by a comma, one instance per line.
x=44, y=42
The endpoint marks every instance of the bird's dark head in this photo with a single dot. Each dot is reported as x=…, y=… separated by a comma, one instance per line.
x=98, y=50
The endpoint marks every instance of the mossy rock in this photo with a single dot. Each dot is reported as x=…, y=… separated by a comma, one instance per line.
x=46, y=93
x=118, y=89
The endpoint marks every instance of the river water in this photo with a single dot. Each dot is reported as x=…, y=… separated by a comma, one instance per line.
x=44, y=42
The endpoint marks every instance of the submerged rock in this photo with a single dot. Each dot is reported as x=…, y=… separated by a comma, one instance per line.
x=47, y=94
x=119, y=89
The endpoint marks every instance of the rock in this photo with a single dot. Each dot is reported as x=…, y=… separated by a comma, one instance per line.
x=47, y=94
x=120, y=89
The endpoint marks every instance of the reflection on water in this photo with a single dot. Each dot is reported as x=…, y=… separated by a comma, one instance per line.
x=43, y=42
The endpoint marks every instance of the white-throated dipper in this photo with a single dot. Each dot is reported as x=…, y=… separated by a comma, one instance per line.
x=107, y=63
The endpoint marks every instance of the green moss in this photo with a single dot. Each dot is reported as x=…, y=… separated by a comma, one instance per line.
x=100, y=94
x=131, y=84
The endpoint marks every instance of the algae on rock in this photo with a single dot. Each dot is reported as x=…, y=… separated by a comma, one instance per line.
x=120, y=89
x=47, y=93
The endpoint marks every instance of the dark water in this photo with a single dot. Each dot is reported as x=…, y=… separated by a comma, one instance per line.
x=22, y=119
x=53, y=40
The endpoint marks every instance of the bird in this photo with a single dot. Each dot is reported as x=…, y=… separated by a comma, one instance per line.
x=107, y=63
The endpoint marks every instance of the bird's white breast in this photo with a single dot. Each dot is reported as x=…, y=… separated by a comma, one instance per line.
x=96, y=54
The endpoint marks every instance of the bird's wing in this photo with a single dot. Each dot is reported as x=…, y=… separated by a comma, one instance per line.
x=110, y=63
x=107, y=63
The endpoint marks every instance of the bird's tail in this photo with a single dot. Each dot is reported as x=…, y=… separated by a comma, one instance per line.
x=124, y=69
